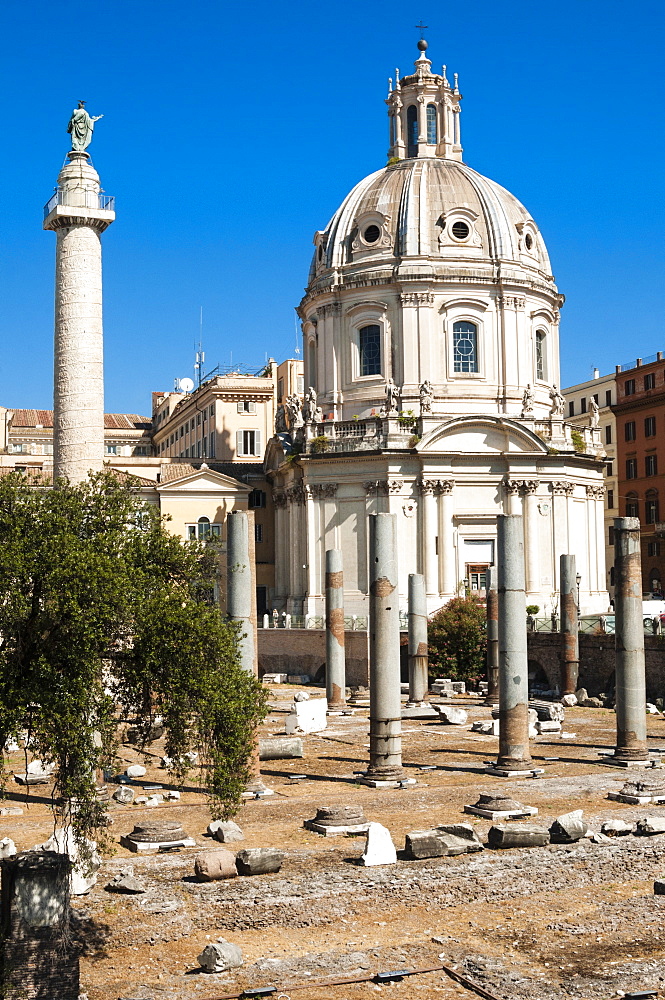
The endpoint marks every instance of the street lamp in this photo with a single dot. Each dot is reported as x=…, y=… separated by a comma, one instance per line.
x=466, y=586
x=578, y=580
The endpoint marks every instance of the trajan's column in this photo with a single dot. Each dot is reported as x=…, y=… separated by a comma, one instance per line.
x=78, y=214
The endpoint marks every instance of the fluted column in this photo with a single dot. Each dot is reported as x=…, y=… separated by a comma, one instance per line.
x=531, y=526
x=429, y=560
x=447, y=537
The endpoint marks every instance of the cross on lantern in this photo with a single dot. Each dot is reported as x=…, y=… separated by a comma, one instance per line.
x=421, y=27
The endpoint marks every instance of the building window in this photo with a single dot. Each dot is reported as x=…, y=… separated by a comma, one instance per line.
x=465, y=347
x=608, y=434
x=653, y=548
x=257, y=498
x=111, y=449
x=629, y=430
x=431, y=123
x=412, y=130
x=608, y=469
x=246, y=406
x=212, y=409
x=608, y=397
x=649, y=427
x=650, y=381
x=571, y=408
x=631, y=469
x=611, y=576
x=632, y=505
x=610, y=535
x=629, y=387
x=583, y=404
x=140, y=450
x=651, y=465
x=248, y=443
x=541, y=366
x=258, y=532
x=203, y=530
x=261, y=600
x=651, y=510
x=369, y=348
x=301, y=384
x=610, y=499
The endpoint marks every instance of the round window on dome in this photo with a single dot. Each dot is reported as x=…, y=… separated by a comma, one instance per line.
x=371, y=234
x=528, y=241
x=460, y=230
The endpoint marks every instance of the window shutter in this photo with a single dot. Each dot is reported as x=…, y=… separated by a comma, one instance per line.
x=241, y=407
x=257, y=443
x=239, y=450
x=252, y=407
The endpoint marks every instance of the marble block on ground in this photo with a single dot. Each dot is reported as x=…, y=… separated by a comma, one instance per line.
x=220, y=956
x=307, y=716
x=517, y=836
x=379, y=847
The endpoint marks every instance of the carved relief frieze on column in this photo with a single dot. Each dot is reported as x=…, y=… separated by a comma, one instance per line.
x=416, y=298
x=530, y=486
x=562, y=488
x=371, y=488
x=595, y=492
x=279, y=499
x=444, y=487
x=387, y=486
x=512, y=486
x=426, y=486
x=320, y=491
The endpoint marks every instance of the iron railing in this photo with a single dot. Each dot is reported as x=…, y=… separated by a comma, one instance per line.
x=80, y=199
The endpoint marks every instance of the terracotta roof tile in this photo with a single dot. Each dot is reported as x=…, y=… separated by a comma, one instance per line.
x=112, y=421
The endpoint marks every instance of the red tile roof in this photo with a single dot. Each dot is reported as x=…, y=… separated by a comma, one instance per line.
x=112, y=421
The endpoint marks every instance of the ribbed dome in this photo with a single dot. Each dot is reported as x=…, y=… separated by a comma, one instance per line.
x=419, y=201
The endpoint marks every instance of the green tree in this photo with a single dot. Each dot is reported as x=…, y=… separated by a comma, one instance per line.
x=104, y=615
x=457, y=639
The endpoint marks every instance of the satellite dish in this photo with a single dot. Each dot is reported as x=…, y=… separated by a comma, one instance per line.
x=186, y=384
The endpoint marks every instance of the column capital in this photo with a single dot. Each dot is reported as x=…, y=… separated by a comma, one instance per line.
x=530, y=485
x=279, y=499
x=562, y=488
x=595, y=492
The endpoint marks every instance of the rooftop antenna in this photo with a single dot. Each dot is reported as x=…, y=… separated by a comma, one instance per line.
x=200, y=354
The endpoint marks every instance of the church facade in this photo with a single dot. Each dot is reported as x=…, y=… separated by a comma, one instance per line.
x=430, y=327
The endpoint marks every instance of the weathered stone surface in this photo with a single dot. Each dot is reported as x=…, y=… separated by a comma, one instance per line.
x=644, y=786
x=463, y=831
x=83, y=875
x=379, y=847
x=568, y=828
x=307, y=716
x=7, y=848
x=581, y=694
x=451, y=716
x=548, y=710
x=163, y=831
x=592, y=703
x=569, y=700
x=220, y=956
x=135, y=734
x=135, y=771
x=225, y=831
x=548, y=726
x=127, y=883
x=259, y=861
x=616, y=828
x=498, y=802
x=172, y=794
x=212, y=866
x=650, y=825
x=659, y=887
x=442, y=842
x=524, y=835
x=124, y=794
x=11, y=811
x=340, y=816
x=280, y=748
x=488, y=727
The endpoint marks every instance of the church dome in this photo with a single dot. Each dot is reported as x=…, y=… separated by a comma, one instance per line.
x=434, y=208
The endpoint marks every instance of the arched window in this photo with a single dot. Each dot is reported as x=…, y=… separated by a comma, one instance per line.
x=369, y=349
x=412, y=130
x=465, y=347
x=632, y=505
x=311, y=363
x=541, y=355
x=203, y=530
x=431, y=123
x=651, y=507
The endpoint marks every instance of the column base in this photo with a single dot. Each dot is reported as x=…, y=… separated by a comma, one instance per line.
x=503, y=772
x=609, y=759
x=386, y=782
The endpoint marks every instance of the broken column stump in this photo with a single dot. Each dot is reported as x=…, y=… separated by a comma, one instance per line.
x=517, y=836
x=331, y=821
x=37, y=963
x=151, y=836
x=496, y=805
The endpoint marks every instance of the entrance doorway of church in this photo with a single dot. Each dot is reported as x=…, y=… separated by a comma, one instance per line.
x=476, y=574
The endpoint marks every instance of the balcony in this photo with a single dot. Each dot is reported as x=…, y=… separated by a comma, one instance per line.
x=80, y=199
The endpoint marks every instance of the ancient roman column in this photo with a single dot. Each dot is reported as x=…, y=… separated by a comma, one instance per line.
x=385, y=723
x=240, y=584
x=418, y=657
x=78, y=214
x=492, y=637
x=335, y=650
x=531, y=517
x=570, y=654
x=629, y=643
x=514, y=753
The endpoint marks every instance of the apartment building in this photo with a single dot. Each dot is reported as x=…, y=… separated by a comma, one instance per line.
x=639, y=411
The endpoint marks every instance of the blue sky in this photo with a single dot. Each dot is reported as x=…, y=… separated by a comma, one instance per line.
x=232, y=132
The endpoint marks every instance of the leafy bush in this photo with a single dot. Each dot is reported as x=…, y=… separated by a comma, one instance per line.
x=578, y=441
x=457, y=639
x=319, y=445
x=532, y=609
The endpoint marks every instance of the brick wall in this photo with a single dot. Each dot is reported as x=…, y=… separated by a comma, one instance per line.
x=303, y=651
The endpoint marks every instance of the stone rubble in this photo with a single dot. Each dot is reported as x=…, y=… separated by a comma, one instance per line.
x=126, y=882
x=212, y=866
x=225, y=831
x=220, y=956
x=451, y=716
x=259, y=861
x=526, y=835
x=568, y=828
x=379, y=847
